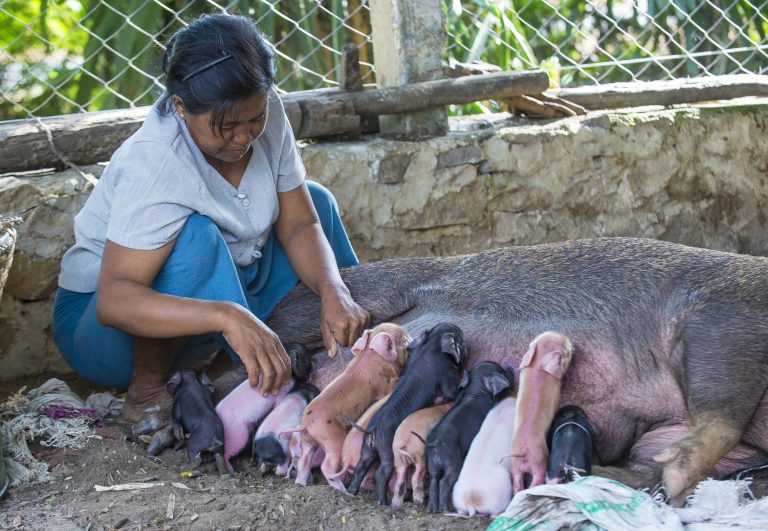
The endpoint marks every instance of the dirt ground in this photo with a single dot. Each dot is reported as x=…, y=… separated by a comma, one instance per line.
x=246, y=501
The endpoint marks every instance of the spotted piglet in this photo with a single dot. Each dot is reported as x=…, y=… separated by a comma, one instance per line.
x=271, y=444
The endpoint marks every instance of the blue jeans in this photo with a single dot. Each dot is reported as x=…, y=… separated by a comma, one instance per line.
x=201, y=267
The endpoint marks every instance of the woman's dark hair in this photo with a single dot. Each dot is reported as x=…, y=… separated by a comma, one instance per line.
x=215, y=62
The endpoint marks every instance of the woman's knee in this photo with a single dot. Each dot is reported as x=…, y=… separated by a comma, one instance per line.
x=199, y=231
x=324, y=201
x=198, y=255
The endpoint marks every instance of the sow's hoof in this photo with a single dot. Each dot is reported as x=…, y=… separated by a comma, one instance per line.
x=693, y=458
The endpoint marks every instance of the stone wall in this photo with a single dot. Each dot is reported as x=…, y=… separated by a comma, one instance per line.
x=695, y=174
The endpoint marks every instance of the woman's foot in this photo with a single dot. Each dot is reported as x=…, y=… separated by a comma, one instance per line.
x=138, y=405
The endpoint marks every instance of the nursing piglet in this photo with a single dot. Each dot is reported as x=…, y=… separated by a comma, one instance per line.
x=380, y=355
x=571, y=445
x=432, y=372
x=270, y=444
x=410, y=451
x=448, y=443
x=353, y=442
x=294, y=450
x=484, y=485
x=538, y=396
x=244, y=407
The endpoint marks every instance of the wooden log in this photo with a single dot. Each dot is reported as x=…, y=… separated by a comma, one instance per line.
x=326, y=116
x=84, y=138
x=89, y=138
x=678, y=91
x=430, y=94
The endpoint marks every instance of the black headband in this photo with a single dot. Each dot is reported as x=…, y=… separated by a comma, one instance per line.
x=206, y=66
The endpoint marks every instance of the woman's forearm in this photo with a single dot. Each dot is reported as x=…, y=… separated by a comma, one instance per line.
x=141, y=311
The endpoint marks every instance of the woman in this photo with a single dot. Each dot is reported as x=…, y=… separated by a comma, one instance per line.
x=201, y=222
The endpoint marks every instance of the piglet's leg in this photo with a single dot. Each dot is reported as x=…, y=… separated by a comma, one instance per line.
x=417, y=482
x=330, y=467
x=399, y=488
x=541, y=371
x=368, y=457
x=304, y=464
x=369, y=481
x=446, y=488
x=434, y=491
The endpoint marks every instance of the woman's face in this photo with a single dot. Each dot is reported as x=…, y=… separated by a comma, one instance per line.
x=243, y=124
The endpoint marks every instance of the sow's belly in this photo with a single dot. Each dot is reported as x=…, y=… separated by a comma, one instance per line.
x=622, y=399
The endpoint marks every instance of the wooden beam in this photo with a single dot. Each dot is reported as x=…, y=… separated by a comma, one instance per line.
x=678, y=91
x=88, y=138
x=430, y=94
x=84, y=138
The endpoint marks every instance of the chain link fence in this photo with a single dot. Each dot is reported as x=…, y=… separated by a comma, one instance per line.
x=61, y=57
x=592, y=42
x=69, y=56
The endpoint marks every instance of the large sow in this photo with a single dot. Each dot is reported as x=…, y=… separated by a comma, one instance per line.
x=670, y=343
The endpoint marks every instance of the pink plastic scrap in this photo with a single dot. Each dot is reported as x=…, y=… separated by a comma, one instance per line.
x=64, y=411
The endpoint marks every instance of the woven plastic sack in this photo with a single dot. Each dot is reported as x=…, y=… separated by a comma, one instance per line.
x=590, y=502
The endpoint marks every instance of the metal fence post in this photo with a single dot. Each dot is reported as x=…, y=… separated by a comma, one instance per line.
x=408, y=42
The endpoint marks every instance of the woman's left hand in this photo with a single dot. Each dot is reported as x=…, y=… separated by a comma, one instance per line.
x=342, y=320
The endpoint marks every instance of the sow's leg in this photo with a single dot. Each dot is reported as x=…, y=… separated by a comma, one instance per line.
x=725, y=378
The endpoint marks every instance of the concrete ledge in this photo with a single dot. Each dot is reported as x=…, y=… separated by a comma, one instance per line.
x=697, y=175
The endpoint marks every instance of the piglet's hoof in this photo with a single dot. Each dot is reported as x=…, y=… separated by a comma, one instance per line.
x=162, y=439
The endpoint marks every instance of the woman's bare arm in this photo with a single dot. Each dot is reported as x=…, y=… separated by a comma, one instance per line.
x=128, y=303
x=298, y=230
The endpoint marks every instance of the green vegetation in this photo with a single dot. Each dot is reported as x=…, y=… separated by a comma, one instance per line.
x=65, y=56
x=604, y=41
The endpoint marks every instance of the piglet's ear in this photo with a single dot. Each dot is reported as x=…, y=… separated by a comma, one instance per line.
x=464, y=381
x=361, y=343
x=384, y=344
x=496, y=383
x=173, y=383
x=301, y=361
x=207, y=383
x=449, y=345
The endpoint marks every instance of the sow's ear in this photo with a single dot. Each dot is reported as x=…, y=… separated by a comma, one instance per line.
x=449, y=345
x=496, y=383
x=361, y=343
x=173, y=383
x=207, y=383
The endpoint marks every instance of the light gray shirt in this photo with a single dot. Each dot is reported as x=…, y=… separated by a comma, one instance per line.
x=159, y=176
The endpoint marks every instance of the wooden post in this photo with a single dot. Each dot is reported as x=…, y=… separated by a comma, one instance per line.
x=408, y=42
x=349, y=68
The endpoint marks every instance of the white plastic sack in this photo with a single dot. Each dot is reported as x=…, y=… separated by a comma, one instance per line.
x=591, y=502
x=594, y=502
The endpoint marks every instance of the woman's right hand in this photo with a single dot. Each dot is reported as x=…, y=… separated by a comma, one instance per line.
x=258, y=347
